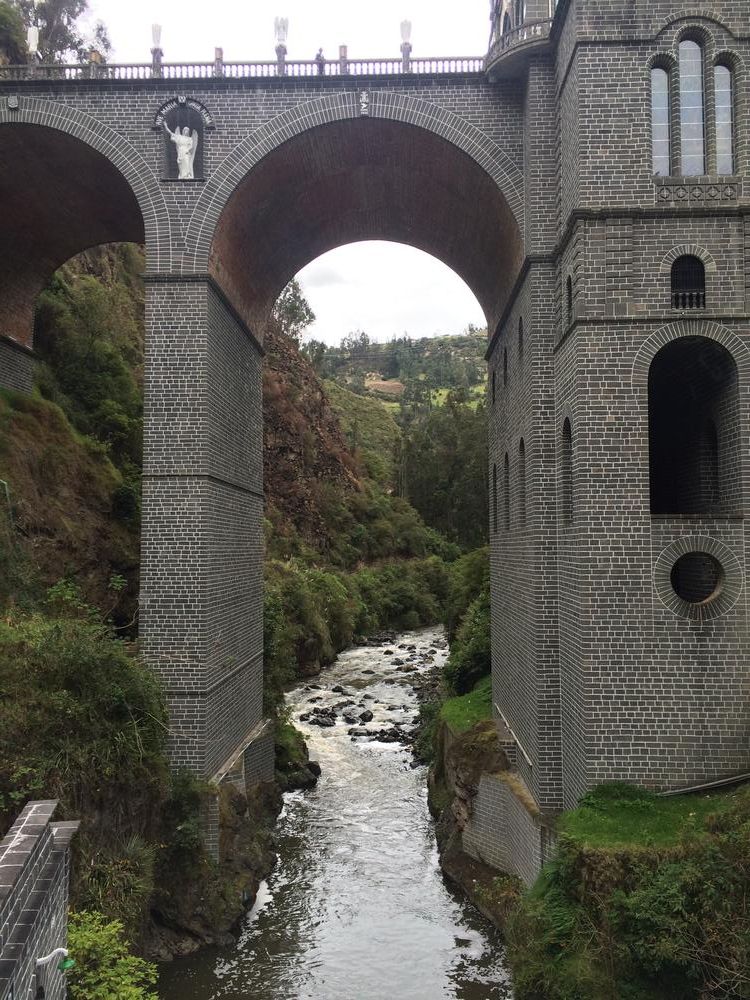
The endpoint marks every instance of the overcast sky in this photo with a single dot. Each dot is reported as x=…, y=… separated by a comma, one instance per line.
x=345, y=286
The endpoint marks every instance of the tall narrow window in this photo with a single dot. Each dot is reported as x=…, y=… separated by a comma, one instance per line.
x=724, y=120
x=688, y=283
x=569, y=299
x=566, y=473
x=494, y=497
x=660, y=147
x=522, y=484
x=520, y=338
x=506, y=492
x=692, y=135
x=506, y=23
x=494, y=388
x=505, y=366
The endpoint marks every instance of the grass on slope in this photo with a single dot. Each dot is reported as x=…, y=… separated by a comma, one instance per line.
x=369, y=428
x=467, y=710
x=621, y=815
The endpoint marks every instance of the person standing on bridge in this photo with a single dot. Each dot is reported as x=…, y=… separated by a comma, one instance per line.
x=320, y=62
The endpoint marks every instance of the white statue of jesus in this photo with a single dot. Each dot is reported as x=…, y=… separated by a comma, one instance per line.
x=186, y=143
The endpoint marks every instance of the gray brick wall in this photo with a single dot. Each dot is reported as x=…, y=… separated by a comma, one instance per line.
x=34, y=878
x=16, y=367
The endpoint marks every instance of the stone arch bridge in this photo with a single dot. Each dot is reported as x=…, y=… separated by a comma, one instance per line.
x=528, y=173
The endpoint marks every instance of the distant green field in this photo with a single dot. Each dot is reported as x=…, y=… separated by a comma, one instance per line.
x=369, y=427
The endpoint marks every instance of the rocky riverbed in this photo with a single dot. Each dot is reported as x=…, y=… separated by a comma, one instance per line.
x=357, y=906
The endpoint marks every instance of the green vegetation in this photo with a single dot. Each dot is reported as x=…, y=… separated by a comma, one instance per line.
x=370, y=431
x=12, y=34
x=311, y=614
x=646, y=899
x=104, y=967
x=465, y=711
x=621, y=815
x=444, y=470
x=63, y=33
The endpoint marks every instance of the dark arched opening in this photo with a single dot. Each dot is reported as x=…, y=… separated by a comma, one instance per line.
x=506, y=492
x=59, y=197
x=694, y=429
x=522, y=484
x=688, y=283
x=363, y=179
x=566, y=473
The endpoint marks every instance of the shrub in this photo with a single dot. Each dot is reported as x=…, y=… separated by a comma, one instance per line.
x=470, y=656
x=104, y=966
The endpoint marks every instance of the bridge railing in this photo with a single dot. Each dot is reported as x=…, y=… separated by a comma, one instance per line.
x=243, y=70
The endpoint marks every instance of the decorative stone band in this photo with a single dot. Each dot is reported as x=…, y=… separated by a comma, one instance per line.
x=687, y=191
x=729, y=583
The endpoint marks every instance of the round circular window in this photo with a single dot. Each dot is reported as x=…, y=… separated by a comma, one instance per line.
x=697, y=577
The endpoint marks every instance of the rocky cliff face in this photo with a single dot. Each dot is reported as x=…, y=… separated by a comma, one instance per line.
x=305, y=452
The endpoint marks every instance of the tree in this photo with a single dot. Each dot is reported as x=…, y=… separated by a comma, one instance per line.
x=293, y=312
x=60, y=35
x=12, y=35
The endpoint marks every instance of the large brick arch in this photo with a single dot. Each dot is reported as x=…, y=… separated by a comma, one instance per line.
x=67, y=183
x=402, y=135
x=120, y=153
x=689, y=328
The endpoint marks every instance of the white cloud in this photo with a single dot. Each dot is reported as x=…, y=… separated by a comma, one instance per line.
x=387, y=289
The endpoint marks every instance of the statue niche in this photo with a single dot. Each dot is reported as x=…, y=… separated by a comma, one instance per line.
x=183, y=133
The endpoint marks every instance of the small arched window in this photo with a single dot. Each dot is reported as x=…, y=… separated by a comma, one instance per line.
x=660, y=143
x=506, y=492
x=505, y=366
x=688, y=283
x=566, y=473
x=494, y=388
x=520, y=338
x=569, y=299
x=506, y=23
x=522, y=484
x=692, y=128
x=724, y=105
x=494, y=497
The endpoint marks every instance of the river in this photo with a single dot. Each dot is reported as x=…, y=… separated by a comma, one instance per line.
x=356, y=908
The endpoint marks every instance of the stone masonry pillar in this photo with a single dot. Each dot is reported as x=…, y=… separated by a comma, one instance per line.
x=201, y=580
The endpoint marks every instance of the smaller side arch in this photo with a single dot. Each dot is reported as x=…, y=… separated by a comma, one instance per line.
x=122, y=155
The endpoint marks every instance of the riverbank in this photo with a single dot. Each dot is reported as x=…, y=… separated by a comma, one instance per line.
x=357, y=904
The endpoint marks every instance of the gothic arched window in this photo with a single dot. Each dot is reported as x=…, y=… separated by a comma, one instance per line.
x=692, y=126
x=724, y=106
x=494, y=388
x=660, y=141
x=505, y=366
x=520, y=338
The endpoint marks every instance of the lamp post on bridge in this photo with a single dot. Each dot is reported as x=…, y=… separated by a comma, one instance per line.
x=156, y=52
x=406, y=46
